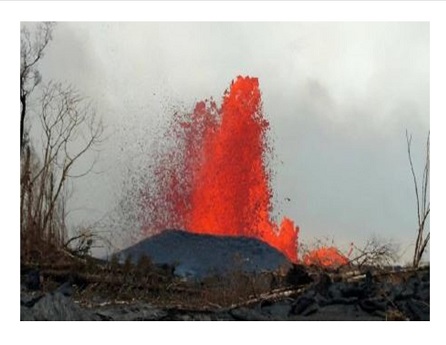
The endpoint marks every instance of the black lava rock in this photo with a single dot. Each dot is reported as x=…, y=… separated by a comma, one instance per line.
x=304, y=305
x=246, y=314
x=278, y=310
x=132, y=312
x=298, y=276
x=199, y=255
x=323, y=285
x=56, y=307
x=32, y=280
x=373, y=305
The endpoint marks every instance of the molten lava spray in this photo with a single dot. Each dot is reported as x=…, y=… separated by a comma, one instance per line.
x=213, y=177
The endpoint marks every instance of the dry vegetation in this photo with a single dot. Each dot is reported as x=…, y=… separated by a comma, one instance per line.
x=68, y=128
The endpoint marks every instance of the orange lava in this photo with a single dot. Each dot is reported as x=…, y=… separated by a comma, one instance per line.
x=210, y=175
x=326, y=257
x=231, y=194
x=215, y=179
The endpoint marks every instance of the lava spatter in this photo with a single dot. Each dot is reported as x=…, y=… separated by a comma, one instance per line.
x=211, y=172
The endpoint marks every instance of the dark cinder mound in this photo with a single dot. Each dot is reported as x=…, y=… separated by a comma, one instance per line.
x=198, y=255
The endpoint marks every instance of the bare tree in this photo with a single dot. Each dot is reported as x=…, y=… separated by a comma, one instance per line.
x=70, y=129
x=32, y=47
x=422, y=198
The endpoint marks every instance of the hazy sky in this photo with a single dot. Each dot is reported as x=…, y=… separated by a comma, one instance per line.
x=339, y=97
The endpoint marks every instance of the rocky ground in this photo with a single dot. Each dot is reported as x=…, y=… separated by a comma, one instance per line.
x=304, y=294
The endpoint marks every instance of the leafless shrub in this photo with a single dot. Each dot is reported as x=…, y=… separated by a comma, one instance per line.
x=376, y=252
x=84, y=239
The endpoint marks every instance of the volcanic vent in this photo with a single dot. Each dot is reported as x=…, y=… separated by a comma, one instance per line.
x=211, y=173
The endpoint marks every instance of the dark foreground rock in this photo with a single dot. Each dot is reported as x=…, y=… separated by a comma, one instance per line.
x=366, y=297
x=129, y=312
x=54, y=307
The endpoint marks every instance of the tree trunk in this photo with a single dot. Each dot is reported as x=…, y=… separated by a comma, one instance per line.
x=22, y=120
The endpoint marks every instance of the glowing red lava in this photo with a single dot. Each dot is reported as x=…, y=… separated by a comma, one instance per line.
x=232, y=194
x=214, y=177
x=210, y=175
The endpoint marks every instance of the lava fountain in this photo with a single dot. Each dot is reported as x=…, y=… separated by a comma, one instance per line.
x=211, y=175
